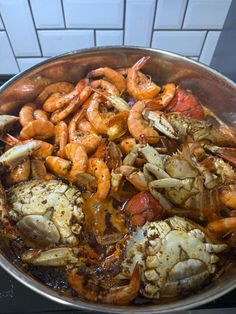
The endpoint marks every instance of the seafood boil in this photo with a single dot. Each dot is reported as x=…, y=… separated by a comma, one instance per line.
x=117, y=189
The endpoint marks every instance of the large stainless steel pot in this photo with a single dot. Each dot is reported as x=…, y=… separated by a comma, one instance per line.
x=213, y=89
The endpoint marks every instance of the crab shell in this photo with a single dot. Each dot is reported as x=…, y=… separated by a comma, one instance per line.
x=46, y=212
x=176, y=257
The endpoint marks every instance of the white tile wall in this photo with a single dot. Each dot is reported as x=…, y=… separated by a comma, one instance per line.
x=25, y=63
x=138, y=22
x=88, y=13
x=57, y=42
x=37, y=29
x=8, y=63
x=20, y=28
x=169, y=14
x=188, y=43
x=206, y=14
x=106, y=38
x=47, y=14
x=209, y=47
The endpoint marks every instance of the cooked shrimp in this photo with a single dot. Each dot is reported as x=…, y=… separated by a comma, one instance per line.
x=26, y=114
x=95, y=117
x=61, y=137
x=40, y=115
x=124, y=295
x=78, y=156
x=164, y=99
x=38, y=169
x=72, y=128
x=57, y=101
x=105, y=85
x=138, y=126
x=127, y=144
x=223, y=225
x=85, y=126
x=37, y=129
x=20, y=173
x=45, y=150
x=59, y=87
x=61, y=114
x=111, y=75
x=138, y=85
x=57, y=165
x=100, y=171
x=90, y=141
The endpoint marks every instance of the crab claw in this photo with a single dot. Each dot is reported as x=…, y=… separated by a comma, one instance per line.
x=143, y=207
x=16, y=154
x=6, y=121
x=54, y=257
x=226, y=153
x=186, y=103
x=160, y=122
x=133, y=175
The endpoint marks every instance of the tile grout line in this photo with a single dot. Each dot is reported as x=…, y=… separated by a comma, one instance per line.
x=203, y=44
x=80, y=29
x=95, y=37
x=124, y=16
x=31, y=57
x=121, y=29
x=63, y=14
x=8, y=37
x=185, y=10
x=36, y=32
x=153, y=23
x=187, y=30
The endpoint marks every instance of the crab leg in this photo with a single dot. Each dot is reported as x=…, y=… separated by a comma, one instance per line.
x=54, y=257
x=149, y=169
x=167, y=183
x=16, y=154
x=160, y=122
x=152, y=155
x=227, y=153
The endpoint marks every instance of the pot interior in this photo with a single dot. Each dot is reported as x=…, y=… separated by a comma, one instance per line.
x=213, y=90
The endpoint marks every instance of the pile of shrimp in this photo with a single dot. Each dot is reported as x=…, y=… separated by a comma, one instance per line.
x=89, y=135
x=77, y=126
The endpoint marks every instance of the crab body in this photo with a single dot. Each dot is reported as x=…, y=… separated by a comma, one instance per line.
x=175, y=255
x=46, y=212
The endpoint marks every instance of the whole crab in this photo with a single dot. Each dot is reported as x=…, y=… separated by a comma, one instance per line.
x=46, y=212
x=175, y=255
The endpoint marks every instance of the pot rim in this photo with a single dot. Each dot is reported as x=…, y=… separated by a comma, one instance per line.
x=184, y=304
